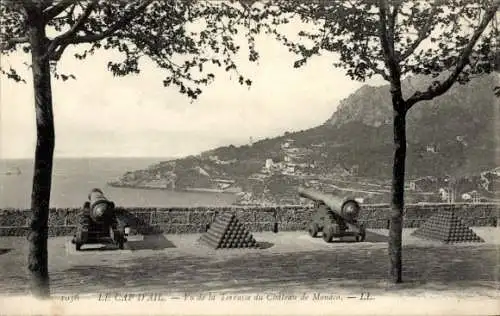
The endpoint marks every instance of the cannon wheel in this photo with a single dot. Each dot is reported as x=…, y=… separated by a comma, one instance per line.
x=121, y=233
x=79, y=239
x=360, y=238
x=118, y=237
x=82, y=230
x=121, y=243
x=328, y=232
x=362, y=234
x=313, y=229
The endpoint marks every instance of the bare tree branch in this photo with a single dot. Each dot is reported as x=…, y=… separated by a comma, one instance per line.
x=394, y=14
x=71, y=11
x=53, y=11
x=129, y=16
x=374, y=68
x=382, y=73
x=463, y=60
x=382, y=31
x=59, y=44
x=11, y=42
x=386, y=40
x=81, y=20
x=422, y=34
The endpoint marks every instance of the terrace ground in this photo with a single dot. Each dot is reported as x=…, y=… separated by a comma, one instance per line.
x=290, y=262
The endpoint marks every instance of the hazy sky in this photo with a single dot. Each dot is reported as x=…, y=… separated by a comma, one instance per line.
x=99, y=115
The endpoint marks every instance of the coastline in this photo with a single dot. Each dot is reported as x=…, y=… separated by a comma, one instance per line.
x=149, y=187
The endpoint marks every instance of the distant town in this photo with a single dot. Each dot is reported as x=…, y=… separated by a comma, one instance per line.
x=277, y=179
x=452, y=154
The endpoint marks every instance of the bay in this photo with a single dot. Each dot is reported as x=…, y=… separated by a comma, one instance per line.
x=73, y=178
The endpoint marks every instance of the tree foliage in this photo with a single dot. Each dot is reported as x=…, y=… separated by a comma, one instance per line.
x=394, y=38
x=184, y=38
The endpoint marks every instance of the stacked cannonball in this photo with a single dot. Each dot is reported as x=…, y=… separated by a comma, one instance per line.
x=460, y=233
x=227, y=232
x=445, y=226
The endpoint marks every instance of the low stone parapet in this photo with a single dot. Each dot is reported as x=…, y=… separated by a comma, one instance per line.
x=175, y=220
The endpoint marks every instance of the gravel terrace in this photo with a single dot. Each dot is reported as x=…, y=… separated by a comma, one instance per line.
x=288, y=262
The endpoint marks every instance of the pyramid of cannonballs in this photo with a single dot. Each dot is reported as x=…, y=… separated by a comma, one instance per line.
x=227, y=232
x=446, y=227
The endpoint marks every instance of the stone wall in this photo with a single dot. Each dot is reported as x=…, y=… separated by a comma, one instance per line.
x=14, y=222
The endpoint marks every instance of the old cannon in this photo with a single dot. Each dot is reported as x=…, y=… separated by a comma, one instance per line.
x=334, y=216
x=98, y=223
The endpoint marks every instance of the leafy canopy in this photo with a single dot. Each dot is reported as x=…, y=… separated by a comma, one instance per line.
x=393, y=38
x=389, y=38
x=183, y=37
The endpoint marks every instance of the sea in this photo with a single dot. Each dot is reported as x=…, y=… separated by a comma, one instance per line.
x=73, y=178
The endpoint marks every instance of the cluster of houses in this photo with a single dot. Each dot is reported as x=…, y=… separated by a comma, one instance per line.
x=215, y=159
x=291, y=164
x=295, y=162
x=484, y=188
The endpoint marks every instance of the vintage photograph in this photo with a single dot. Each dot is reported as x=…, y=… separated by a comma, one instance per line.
x=249, y=157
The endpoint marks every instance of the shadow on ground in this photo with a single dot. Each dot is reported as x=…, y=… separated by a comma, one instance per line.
x=374, y=237
x=152, y=242
x=371, y=237
x=264, y=244
x=147, y=242
x=4, y=250
x=320, y=270
x=98, y=247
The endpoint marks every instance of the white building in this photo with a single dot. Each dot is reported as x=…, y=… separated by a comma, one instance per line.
x=269, y=164
x=202, y=171
x=290, y=169
x=431, y=148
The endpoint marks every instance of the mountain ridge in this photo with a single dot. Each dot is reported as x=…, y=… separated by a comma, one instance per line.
x=456, y=134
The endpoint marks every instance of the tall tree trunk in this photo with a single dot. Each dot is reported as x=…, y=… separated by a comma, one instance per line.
x=42, y=177
x=398, y=182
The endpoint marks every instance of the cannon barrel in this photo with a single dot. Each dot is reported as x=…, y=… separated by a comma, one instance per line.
x=348, y=208
x=100, y=207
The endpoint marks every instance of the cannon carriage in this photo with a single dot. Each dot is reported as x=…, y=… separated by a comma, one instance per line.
x=98, y=223
x=333, y=216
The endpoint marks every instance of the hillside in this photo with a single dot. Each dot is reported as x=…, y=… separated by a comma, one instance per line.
x=453, y=135
x=462, y=125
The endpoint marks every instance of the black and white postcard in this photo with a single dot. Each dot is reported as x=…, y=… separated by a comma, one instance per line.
x=249, y=157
